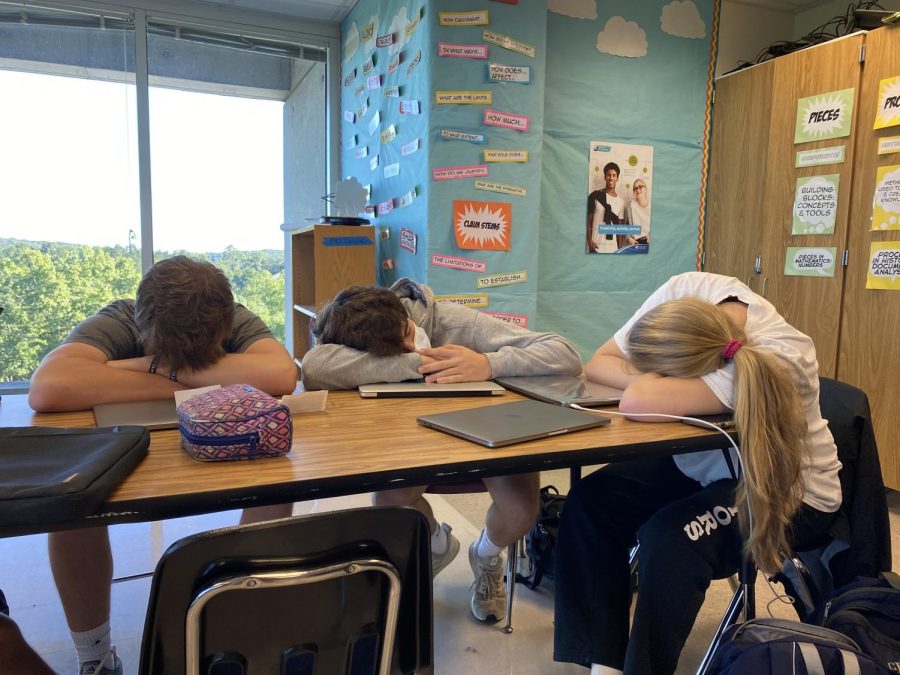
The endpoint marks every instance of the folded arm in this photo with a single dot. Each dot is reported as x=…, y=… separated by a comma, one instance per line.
x=77, y=376
x=649, y=392
x=332, y=366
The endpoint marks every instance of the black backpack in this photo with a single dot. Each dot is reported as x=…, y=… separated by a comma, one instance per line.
x=779, y=647
x=540, y=542
x=868, y=611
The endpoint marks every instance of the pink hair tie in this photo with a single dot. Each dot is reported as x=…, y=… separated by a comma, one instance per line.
x=729, y=350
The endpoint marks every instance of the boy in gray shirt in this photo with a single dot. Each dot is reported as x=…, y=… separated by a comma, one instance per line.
x=369, y=334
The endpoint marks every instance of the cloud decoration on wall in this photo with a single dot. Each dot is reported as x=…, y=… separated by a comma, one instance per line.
x=351, y=44
x=577, y=9
x=398, y=28
x=682, y=19
x=622, y=38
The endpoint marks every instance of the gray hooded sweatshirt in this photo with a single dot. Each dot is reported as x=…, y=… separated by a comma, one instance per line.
x=510, y=350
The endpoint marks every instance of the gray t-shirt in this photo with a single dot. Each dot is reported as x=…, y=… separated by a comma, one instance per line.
x=113, y=331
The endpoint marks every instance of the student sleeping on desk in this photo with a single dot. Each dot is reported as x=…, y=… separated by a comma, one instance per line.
x=701, y=344
x=369, y=334
x=183, y=330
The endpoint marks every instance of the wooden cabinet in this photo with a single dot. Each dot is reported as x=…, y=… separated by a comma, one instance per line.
x=753, y=180
x=869, y=355
x=324, y=259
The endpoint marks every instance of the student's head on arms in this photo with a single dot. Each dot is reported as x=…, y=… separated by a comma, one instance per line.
x=367, y=318
x=184, y=311
x=691, y=337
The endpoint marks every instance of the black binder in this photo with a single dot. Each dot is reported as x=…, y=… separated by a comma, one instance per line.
x=53, y=475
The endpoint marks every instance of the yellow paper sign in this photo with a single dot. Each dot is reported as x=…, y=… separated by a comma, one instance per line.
x=884, y=266
x=886, y=202
x=502, y=279
x=475, y=18
x=505, y=155
x=475, y=300
x=888, y=111
x=503, y=188
x=508, y=43
x=464, y=97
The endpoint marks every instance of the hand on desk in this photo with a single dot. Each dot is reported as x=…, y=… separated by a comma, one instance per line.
x=454, y=363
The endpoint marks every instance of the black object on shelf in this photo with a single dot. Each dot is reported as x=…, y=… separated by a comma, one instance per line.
x=342, y=220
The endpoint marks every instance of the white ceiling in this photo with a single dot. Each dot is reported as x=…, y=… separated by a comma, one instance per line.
x=336, y=10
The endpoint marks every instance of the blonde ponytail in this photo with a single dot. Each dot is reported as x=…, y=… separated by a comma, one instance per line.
x=691, y=337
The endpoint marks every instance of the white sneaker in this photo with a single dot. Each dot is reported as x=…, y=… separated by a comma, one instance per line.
x=440, y=560
x=488, y=589
x=108, y=665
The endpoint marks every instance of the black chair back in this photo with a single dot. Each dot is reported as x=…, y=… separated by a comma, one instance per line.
x=341, y=592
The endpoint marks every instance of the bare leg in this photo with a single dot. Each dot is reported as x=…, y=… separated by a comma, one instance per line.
x=259, y=514
x=411, y=496
x=81, y=561
x=517, y=502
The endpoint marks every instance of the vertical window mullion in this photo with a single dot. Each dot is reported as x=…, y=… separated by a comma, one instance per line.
x=142, y=99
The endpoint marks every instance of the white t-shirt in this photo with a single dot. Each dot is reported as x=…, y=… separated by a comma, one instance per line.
x=768, y=330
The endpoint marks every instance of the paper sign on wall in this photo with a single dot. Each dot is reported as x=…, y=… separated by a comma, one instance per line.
x=815, y=204
x=410, y=107
x=805, y=261
x=508, y=43
x=392, y=170
x=502, y=188
x=384, y=40
x=457, y=263
x=888, y=111
x=392, y=92
x=463, y=97
x=502, y=279
x=415, y=61
x=462, y=51
x=457, y=172
x=482, y=225
x=824, y=116
x=361, y=152
x=471, y=300
x=832, y=155
x=451, y=135
x=374, y=122
x=409, y=148
x=389, y=134
x=350, y=77
x=886, y=203
x=505, y=155
x=884, y=266
x=475, y=18
x=519, y=320
x=888, y=145
x=495, y=118
x=408, y=239
x=497, y=72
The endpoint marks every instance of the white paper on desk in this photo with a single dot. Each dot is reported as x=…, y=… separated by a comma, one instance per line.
x=308, y=401
x=187, y=394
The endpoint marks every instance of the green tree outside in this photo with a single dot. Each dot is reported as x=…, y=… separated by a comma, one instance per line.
x=46, y=288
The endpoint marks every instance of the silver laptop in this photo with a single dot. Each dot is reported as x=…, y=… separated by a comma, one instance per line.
x=563, y=390
x=416, y=389
x=507, y=423
x=151, y=414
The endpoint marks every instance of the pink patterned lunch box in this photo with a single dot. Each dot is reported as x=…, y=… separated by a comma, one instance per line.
x=234, y=422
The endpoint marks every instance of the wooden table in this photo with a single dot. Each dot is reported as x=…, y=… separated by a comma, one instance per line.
x=357, y=445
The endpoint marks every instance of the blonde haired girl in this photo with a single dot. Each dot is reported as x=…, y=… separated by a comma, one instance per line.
x=701, y=344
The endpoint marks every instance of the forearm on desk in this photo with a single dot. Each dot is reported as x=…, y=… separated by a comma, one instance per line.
x=265, y=366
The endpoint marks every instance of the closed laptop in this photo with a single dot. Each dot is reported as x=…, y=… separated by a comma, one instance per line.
x=563, y=389
x=416, y=389
x=507, y=423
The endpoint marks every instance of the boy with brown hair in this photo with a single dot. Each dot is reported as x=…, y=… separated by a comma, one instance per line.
x=369, y=334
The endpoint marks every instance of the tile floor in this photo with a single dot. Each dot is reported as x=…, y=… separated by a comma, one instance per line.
x=461, y=643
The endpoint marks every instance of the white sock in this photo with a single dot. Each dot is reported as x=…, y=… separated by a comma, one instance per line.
x=93, y=644
x=597, y=669
x=439, y=541
x=486, y=548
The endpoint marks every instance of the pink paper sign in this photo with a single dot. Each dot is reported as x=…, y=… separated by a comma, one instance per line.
x=385, y=207
x=458, y=263
x=454, y=172
x=463, y=51
x=495, y=118
x=519, y=320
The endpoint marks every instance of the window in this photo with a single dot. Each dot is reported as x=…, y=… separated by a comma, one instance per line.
x=237, y=146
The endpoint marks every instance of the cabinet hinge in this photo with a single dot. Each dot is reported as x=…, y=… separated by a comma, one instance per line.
x=862, y=53
x=703, y=259
x=713, y=101
x=845, y=259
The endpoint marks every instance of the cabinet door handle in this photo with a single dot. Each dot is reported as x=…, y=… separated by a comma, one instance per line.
x=750, y=282
x=762, y=289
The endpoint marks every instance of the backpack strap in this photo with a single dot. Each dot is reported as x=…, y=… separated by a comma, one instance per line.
x=813, y=661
